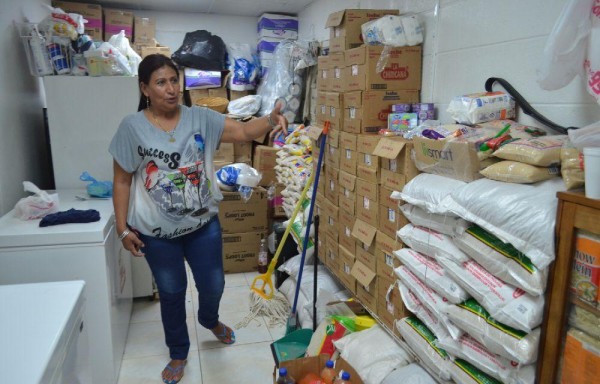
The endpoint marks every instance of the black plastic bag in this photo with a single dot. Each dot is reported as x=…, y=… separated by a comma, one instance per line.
x=201, y=50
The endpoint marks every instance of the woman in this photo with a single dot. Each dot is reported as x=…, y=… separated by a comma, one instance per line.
x=166, y=198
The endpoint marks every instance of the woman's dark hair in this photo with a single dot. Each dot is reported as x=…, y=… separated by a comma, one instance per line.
x=147, y=67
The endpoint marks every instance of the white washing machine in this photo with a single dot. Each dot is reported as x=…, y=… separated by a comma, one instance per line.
x=44, y=336
x=90, y=252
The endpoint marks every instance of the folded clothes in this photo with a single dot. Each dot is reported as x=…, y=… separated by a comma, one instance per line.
x=70, y=216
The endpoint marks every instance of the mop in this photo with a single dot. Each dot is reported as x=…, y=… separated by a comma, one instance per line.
x=264, y=300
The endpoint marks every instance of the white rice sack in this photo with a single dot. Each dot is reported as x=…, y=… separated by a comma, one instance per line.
x=502, y=260
x=373, y=353
x=422, y=342
x=431, y=243
x=462, y=372
x=501, y=368
x=432, y=274
x=412, y=373
x=498, y=338
x=519, y=214
x=413, y=304
x=446, y=224
x=507, y=304
x=429, y=298
x=428, y=191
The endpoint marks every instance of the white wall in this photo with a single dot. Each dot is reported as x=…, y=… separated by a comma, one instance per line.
x=468, y=41
x=23, y=153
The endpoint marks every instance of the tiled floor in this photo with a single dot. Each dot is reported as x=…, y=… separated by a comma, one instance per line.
x=248, y=361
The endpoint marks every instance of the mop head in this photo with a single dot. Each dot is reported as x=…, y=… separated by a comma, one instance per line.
x=275, y=310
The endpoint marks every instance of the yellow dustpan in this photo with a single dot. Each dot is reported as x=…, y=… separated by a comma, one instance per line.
x=263, y=284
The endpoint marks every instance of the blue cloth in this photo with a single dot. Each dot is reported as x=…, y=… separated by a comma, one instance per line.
x=70, y=216
x=203, y=249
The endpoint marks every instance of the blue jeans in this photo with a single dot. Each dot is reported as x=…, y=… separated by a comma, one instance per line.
x=203, y=251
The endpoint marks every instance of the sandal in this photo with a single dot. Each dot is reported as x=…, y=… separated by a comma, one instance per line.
x=227, y=336
x=175, y=371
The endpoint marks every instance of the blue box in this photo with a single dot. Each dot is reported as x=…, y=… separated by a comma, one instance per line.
x=279, y=26
x=199, y=79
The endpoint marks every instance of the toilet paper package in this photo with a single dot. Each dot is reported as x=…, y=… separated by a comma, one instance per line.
x=396, y=31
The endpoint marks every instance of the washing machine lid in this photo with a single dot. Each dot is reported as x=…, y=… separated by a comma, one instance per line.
x=15, y=232
x=35, y=323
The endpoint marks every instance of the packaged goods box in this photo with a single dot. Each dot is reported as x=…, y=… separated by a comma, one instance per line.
x=91, y=12
x=144, y=30
x=240, y=251
x=402, y=69
x=367, y=111
x=299, y=368
x=279, y=26
x=265, y=160
x=238, y=216
x=116, y=20
x=345, y=26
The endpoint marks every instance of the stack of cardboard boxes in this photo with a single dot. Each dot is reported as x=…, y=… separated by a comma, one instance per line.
x=358, y=219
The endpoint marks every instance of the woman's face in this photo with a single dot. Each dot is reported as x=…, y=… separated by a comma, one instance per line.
x=162, y=89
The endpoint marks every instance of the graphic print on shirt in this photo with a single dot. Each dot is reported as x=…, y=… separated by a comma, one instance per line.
x=184, y=191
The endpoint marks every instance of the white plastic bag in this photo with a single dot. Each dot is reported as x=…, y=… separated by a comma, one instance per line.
x=588, y=136
x=36, y=206
x=245, y=106
x=565, y=48
x=121, y=43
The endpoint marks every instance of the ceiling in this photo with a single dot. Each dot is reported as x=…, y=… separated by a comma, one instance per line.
x=227, y=7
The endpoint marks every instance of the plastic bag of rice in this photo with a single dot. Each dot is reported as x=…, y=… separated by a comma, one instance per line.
x=498, y=338
x=413, y=304
x=442, y=223
x=541, y=151
x=520, y=173
x=428, y=191
x=462, y=372
x=501, y=368
x=429, y=298
x=507, y=304
x=502, y=260
x=432, y=274
x=422, y=342
x=430, y=243
x=571, y=167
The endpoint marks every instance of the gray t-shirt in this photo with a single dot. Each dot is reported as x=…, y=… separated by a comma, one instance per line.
x=174, y=190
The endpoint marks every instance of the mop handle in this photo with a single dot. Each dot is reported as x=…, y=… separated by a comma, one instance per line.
x=289, y=227
x=310, y=213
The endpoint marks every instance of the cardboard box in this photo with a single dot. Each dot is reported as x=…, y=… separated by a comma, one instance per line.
x=323, y=67
x=455, y=159
x=332, y=255
x=91, y=12
x=332, y=156
x=368, y=167
x=389, y=302
x=234, y=95
x=367, y=210
x=144, y=29
x=397, y=151
x=238, y=216
x=367, y=111
x=242, y=153
x=402, y=69
x=345, y=272
x=346, y=224
x=299, y=368
x=348, y=160
x=331, y=185
x=347, y=201
x=386, y=261
x=276, y=205
x=240, y=251
x=364, y=232
x=391, y=220
x=265, y=160
x=345, y=26
x=365, y=257
x=333, y=137
x=225, y=153
x=116, y=20
x=145, y=51
x=385, y=198
x=336, y=71
x=367, y=294
x=329, y=219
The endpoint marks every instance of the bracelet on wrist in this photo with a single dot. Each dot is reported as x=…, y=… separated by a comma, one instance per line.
x=124, y=234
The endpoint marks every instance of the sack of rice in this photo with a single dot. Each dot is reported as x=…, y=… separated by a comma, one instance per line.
x=520, y=173
x=498, y=338
x=442, y=223
x=431, y=243
x=413, y=304
x=506, y=303
x=432, y=274
x=502, y=260
x=541, y=151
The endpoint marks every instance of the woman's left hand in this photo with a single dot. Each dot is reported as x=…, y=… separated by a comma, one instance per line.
x=280, y=121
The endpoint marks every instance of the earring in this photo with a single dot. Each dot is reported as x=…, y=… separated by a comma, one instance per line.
x=147, y=102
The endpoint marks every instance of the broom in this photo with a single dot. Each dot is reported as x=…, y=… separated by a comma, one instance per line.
x=264, y=300
x=292, y=323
